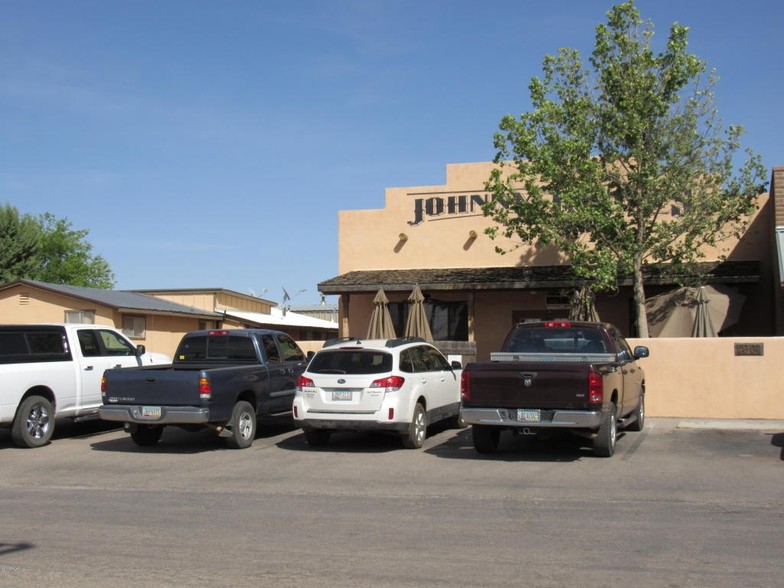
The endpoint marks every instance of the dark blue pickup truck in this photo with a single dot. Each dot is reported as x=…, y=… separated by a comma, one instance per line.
x=222, y=379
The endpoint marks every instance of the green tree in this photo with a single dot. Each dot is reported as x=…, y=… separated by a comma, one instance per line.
x=623, y=162
x=67, y=256
x=48, y=249
x=20, y=244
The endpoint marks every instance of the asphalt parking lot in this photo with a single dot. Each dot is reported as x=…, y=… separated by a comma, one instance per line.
x=680, y=504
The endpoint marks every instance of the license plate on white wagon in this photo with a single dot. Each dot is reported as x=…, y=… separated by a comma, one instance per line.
x=526, y=415
x=341, y=395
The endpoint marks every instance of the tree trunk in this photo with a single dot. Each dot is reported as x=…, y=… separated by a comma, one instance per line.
x=639, y=300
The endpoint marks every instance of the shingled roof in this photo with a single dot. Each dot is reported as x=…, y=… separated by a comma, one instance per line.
x=531, y=277
x=121, y=299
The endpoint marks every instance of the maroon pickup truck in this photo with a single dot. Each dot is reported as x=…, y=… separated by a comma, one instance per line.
x=577, y=376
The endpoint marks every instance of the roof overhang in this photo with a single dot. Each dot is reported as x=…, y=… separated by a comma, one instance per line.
x=529, y=278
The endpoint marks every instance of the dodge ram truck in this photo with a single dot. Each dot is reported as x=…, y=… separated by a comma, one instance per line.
x=221, y=379
x=577, y=376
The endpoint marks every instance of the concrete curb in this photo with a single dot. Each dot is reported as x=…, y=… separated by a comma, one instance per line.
x=731, y=424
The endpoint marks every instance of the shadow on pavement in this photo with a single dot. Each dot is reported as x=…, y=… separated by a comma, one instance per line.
x=777, y=440
x=554, y=447
x=179, y=441
x=6, y=548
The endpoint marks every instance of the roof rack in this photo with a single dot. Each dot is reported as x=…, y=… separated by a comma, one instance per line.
x=339, y=340
x=397, y=341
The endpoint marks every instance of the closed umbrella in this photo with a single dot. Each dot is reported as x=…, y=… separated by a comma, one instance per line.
x=381, y=326
x=703, y=325
x=416, y=323
x=673, y=314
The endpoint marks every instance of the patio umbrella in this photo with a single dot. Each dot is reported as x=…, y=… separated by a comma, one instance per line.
x=582, y=306
x=416, y=323
x=703, y=325
x=381, y=326
x=674, y=313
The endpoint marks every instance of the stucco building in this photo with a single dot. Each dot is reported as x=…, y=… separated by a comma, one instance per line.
x=434, y=236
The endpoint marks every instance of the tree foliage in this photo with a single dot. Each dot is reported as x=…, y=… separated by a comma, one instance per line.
x=48, y=249
x=20, y=244
x=624, y=161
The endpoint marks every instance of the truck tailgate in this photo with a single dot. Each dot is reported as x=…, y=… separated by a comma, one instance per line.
x=161, y=386
x=529, y=385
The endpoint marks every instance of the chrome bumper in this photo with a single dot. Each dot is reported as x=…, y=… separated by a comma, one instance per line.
x=566, y=419
x=170, y=415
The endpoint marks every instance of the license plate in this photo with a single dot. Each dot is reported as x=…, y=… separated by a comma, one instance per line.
x=525, y=415
x=341, y=395
x=151, y=412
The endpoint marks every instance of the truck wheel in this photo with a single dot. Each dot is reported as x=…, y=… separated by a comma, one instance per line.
x=243, y=426
x=604, y=443
x=485, y=438
x=317, y=437
x=417, y=430
x=146, y=435
x=34, y=422
x=639, y=415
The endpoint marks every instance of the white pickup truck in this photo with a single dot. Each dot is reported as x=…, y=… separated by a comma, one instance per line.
x=53, y=371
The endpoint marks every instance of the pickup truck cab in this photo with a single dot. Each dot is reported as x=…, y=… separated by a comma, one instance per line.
x=220, y=379
x=576, y=376
x=53, y=371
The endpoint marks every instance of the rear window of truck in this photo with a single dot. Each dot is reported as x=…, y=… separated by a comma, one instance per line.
x=556, y=340
x=19, y=346
x=218, y=347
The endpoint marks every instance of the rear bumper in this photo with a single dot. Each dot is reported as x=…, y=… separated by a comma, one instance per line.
x=351, y=425
x=170, y=415
x=563, y=419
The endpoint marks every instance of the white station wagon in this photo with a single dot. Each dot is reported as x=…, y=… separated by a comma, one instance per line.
x=398, y=385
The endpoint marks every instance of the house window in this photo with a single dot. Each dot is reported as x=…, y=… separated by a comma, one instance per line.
x=448, y=320
x=134, y=327
x=82, y=317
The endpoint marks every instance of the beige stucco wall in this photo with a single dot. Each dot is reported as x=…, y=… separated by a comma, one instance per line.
x=371, y=239
x=703, y=378
x=163, y=333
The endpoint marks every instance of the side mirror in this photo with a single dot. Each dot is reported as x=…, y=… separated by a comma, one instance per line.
x=456, y=365
x=640, y=352
x=140, y=350
x=311, y=354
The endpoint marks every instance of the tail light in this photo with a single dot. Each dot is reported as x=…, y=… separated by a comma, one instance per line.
x=303, y=382
x=103, y=385
x=390, y=384
x=205, y=388
x=465, y=385
x=595, y=388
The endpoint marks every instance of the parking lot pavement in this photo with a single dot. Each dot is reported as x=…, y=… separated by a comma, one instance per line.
x=675, y=506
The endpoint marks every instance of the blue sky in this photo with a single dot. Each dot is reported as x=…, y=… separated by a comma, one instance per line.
x=212, y=143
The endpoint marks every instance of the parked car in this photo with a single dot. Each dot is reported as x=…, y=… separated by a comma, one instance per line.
x=223, y=379
x=53, y=371
x=397, y=385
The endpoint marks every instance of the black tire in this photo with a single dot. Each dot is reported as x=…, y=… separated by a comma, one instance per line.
x=34, y=422
x=604, y=443
x=146, y=435
x=242, y=425
x=457, y=422
x=485, y=438
x=414, y=438
x=639, y=415
x=317, y=437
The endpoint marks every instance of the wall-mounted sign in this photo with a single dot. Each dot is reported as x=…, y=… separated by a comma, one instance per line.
x=448, y=206
x=757, y=349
